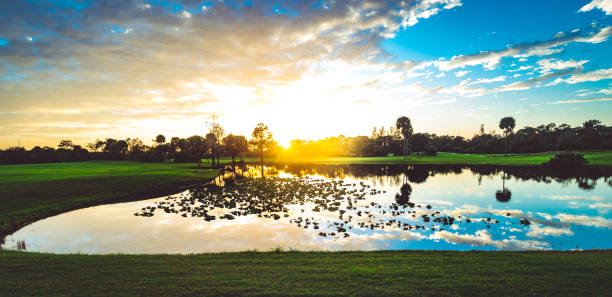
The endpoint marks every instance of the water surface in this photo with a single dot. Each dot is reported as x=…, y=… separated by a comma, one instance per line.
x=350, y=207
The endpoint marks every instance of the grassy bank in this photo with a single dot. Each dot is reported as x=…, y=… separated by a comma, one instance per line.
x=594, y=158
x=419, y=273
x=33, y=191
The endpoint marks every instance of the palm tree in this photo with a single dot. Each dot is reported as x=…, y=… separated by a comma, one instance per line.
x=507, y=124
x=504, y=195
x=405, y=127
x=160, y=139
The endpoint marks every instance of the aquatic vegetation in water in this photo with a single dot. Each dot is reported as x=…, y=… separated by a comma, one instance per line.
x=302, y=200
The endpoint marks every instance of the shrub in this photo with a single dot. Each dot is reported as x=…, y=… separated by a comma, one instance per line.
x=567, y=160
x=431, y=151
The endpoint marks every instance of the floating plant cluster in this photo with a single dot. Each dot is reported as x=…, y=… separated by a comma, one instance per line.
x=298, y=200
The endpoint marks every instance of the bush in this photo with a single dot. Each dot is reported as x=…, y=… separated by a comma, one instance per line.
x=567, y=160
x=431, y=151
x=182, y=157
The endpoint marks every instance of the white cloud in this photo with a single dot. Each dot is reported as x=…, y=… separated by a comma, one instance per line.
x=582, y=100
x=483, y=238
x=574, y=197
x=461, y=73
x=490, y=59
x=607, y=91
x=525, y=67
x=584, y=220
x=488, y=80
x=601, y=207
x=536, y=230
x=547, y=65
x=604, y=5
x=595, y=75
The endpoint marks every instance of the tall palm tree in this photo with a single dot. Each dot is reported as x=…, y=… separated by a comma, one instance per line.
x=405, y=127
x=507, y=124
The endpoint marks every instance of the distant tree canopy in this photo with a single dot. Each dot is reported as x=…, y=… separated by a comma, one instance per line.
x=591, y=135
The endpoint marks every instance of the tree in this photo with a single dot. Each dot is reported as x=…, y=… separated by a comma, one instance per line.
x=174, y=141
x=66, y=144
x=217, y=131
x=419, y=142
x=405, y=127
x=195, y=147
x=160, y=139
x=211, y=141
x=262, y=138
x=507, y=124
x=134, y=145
x=235, y=145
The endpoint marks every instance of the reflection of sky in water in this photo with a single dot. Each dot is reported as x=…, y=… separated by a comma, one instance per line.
x=563, y=216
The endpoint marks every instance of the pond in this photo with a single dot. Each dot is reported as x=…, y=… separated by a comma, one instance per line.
x=347, y=207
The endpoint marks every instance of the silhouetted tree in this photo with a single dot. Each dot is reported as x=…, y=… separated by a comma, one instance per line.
x=262, y=138
x=160, y=139
x=211, y=143
x=507, y=125
x=66, y=144
x=218, y=132
x=235, y=145
x=195, y=146
x=405, y=127
x=419, y=142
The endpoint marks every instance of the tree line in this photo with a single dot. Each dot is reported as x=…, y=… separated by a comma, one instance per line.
x=398, y=140
x=209, y=148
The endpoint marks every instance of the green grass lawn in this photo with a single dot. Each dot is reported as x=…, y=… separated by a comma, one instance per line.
x=30, y=192
x=33, y=191
x=403, y=273
x=594, y=158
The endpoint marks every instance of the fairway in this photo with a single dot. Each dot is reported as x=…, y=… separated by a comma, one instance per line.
x=34, y=191
x=594, y=158
x=405, y=273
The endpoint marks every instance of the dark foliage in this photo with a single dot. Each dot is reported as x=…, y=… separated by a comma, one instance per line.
x=567, y=161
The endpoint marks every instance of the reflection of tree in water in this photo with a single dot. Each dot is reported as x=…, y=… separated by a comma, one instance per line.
x=504, y=195
x=335, y=208
x=585, y=177
x=418, y=174
x=403, y=198
x=586, y=184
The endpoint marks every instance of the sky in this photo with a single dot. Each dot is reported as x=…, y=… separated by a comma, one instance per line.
x=83, y=70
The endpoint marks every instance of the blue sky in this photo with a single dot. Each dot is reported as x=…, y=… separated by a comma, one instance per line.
x=309, y=69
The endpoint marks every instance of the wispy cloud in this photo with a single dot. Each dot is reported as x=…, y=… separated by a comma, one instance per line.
x=582, y=100
x=490, y=59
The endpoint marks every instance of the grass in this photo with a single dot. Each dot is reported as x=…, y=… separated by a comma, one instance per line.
x=386, y=273
x=594, y=158
x=33, y=191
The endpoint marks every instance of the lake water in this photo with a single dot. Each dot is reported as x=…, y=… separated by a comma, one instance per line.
x=351, y=207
